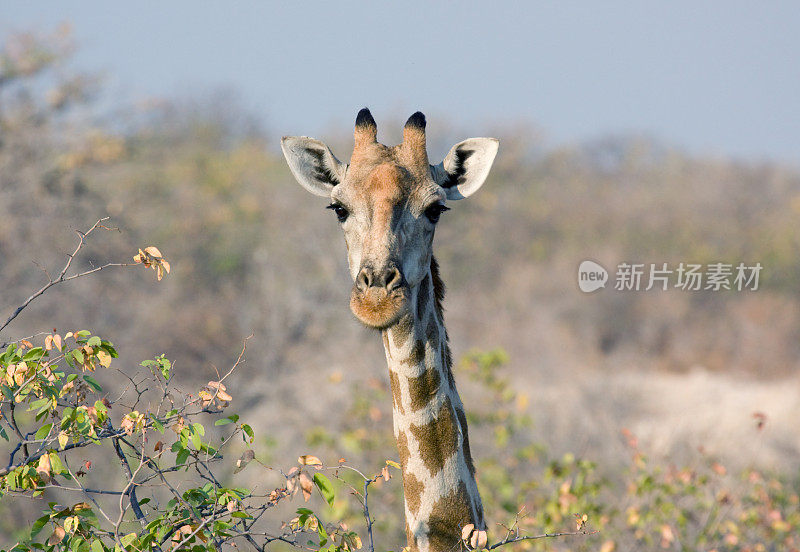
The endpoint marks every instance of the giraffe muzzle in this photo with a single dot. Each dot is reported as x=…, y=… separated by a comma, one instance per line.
x=379, y=297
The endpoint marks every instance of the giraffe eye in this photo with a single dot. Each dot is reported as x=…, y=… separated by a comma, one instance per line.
x=435, y=211
x=341, y=212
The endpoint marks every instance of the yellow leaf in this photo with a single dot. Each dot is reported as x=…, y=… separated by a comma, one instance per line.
x=70, y=524
x=309, y=460
x=104, y=358
x=43, y=467
x=152, y=250
x=62, y=439
x=467, y=531
x=223, y=396
x=205, y=396
x=479, y=540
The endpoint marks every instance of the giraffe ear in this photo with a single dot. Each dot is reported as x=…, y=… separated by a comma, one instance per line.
x=313, y=164
x=465, y=167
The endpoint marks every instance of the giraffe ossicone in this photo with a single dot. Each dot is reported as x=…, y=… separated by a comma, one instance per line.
x=388, y=201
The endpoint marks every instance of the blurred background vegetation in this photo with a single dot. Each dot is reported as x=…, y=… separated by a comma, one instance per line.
x=251, y=252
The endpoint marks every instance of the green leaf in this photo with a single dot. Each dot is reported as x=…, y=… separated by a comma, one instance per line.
x=109, y=347
x=43, y=431
x=33, y=355
x=55, y=463
x=198, y=428
x=97, y=546
x=92, y=383
x=240, y=515
x=38, y=525
x=249, y=430
x=77, y=355
x=39, y=403
x=229, y=420
x=128, y=539
x=180, y=459
x=94, y=341
x=157, y=423
x=166, y=365
x=325, y=487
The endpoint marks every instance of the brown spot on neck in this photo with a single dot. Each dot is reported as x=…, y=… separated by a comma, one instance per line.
x=394, y=382
x=438, y=439
x=413, y=489
x=402, y=331
x=450, y=513
x=423, y=388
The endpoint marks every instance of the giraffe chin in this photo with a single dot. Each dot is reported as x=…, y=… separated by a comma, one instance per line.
x=378, y=309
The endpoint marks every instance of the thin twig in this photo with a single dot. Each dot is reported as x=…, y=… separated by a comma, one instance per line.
x=520, y=538
x=62, y=276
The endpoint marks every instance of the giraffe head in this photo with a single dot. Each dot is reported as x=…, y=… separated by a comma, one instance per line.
x=388, y=201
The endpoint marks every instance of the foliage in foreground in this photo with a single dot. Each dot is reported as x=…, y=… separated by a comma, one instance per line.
x=175, y=484
x=53, y=406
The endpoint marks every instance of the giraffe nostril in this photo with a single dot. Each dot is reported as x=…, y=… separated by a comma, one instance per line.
x=364, y=278
x=393, y=279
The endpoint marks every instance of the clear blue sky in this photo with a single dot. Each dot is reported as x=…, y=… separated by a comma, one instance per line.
x=713, y=77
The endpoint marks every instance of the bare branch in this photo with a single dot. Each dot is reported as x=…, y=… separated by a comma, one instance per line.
x=520, y=538
x=62, y=276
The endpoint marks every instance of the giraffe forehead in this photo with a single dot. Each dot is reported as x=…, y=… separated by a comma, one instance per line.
x=384, y=186
x=388, y=184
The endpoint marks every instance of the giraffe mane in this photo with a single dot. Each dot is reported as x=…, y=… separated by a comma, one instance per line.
x=438, y=286
x=438, y=294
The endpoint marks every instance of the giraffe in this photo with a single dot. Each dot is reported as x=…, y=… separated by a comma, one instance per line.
x=388, y=201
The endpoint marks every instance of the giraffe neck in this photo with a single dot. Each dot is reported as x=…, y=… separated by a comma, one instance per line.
x=441, y=495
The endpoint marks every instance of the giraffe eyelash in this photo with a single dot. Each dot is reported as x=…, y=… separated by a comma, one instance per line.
x=434, y=211
x=341, y=211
